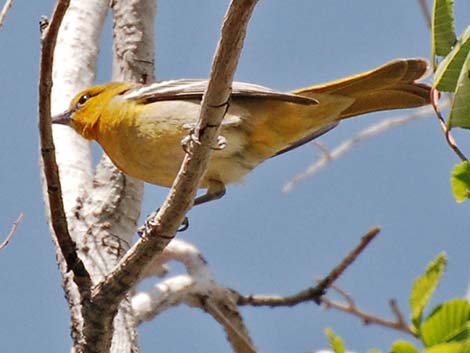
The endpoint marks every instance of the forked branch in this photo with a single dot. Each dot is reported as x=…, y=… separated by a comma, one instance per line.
x=349, y=306
x=315, y=293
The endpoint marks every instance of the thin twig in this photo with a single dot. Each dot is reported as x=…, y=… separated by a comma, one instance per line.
x=445, y=128
x=5, y=10
x=369, y=132
x=397, y=312
x=240, y=341
x=12, y=231
x=56, y=207
x=426, y=12
x=346, y=296
x=398, y=324
x=312, y=293
x=349, y=259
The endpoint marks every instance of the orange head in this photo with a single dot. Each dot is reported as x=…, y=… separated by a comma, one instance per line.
x=87, y=106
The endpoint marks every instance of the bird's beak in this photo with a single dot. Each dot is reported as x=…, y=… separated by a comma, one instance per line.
x=65, y=118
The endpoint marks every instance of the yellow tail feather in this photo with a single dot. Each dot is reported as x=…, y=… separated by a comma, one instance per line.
x=391, y=86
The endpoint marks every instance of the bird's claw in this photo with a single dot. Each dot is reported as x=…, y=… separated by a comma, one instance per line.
x=189, y=141
x=220, y=144
x=184, y=225
x=150, y=223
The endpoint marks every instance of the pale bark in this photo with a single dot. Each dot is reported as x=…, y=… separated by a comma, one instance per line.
x=69, y=49
x=197, y=289
x=4, y=12
x=102, y=211
x=74, y=69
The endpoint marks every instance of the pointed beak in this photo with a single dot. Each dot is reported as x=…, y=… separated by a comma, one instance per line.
x=65, y=118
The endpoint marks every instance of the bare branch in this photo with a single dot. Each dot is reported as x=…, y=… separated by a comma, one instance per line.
x=182, y=194
x=346, y=296
x=349, y=259
x=185, y=253
x=4, y=12
x=312, y=293
x=398, y=324
x=397, y=312
x=445, y=128
x=426, y=12
x=12, y=231
x=197, y=289
x=134, y=40
x=58, y=220
x=73, y=70
x=369, y=132
x=162, y=296
x=224, y=309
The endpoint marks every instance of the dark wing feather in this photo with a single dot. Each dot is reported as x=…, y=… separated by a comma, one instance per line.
x=311, y=137
x=194, y=89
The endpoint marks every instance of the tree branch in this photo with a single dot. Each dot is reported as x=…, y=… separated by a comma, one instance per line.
x=316, y=294
x=369, y=132
x=445, y=128
x=350, y=307
x=73, y=70
x=10, y=235
x=59, y=223
x=312, y=293
x=4, y=12
x=426, y=12
x=197, y=289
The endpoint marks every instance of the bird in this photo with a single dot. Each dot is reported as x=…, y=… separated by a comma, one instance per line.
x=141, y=126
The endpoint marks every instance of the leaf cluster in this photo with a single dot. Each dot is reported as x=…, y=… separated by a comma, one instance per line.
x=451, y=63
x=446, y=329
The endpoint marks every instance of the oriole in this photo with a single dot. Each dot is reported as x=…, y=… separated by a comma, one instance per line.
x=140, y=127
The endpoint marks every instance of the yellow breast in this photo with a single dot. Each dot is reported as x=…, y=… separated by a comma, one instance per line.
x=145, y=142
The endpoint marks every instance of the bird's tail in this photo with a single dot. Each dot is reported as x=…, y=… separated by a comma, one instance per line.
x=391, y=86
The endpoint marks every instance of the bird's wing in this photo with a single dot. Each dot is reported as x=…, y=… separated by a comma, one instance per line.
x=194, y=89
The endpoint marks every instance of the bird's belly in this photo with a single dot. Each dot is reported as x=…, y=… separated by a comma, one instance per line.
x=157, y=159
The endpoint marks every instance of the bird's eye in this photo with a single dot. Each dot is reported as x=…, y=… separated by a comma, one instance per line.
x=83, y=99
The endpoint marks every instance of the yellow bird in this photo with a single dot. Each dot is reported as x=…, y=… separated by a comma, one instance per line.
x=140, y=127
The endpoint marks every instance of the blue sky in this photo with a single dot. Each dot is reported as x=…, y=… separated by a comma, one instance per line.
x=256, y=239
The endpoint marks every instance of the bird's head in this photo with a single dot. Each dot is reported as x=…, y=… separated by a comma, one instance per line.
x=88, y=106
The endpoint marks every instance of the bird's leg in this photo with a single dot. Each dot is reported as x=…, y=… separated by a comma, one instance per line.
x=215, y=191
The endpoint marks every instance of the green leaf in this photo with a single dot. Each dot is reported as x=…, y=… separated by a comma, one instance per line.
x=424, y=287
x=374, y=350
x=453, y=347
x=336, y=343
x=403, y=347
x=443, y=28
x=448, y=322
x=460, y=112
x=460, y=181
x=449, y=69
